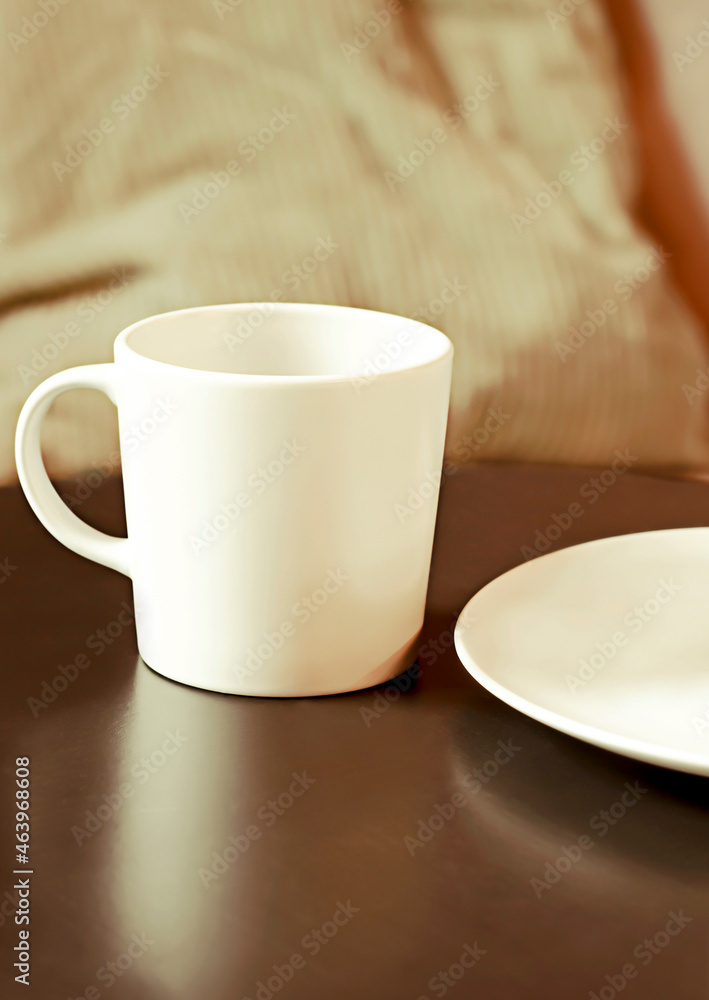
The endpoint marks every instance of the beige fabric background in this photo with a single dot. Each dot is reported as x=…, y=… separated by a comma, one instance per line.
x=681, y=34
x=230, y=66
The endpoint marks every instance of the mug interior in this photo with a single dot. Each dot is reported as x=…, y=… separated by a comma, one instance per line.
x=286, y=339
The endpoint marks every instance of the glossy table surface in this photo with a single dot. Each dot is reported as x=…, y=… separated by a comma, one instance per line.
x=409, y=841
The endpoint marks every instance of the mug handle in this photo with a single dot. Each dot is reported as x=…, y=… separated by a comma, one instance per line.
x=41, y=495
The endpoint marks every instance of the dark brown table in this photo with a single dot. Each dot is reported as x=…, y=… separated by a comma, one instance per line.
x=195, y=846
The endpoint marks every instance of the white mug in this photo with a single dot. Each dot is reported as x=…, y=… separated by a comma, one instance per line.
x=281, y=465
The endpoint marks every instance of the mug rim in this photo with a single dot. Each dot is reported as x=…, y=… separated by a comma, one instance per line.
x=445, y=348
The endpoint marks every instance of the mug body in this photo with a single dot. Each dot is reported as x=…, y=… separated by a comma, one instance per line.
x=281, y=468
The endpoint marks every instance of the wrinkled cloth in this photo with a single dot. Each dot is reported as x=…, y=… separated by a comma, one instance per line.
x=468, y=162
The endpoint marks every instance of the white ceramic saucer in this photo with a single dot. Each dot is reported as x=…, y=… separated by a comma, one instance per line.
x=606, y=641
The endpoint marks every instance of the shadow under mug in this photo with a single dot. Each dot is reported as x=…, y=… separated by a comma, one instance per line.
x=281, y=468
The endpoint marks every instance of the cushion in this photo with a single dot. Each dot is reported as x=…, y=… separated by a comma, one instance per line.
x=466, y=162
